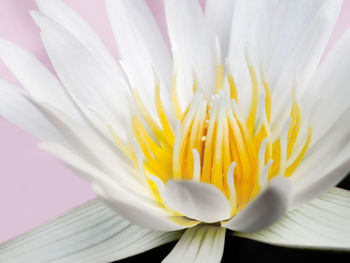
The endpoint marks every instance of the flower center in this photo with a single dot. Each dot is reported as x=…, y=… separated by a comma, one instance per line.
x=213, y=143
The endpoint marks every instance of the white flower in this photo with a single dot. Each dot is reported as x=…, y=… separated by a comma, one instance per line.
x=236, y=128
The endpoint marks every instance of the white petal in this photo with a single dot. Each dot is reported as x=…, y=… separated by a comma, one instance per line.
x=325, y=163
x=89, y=233
x=291, y=22
x=329, y=90
x=249, y=34
x=141, y=47
x=200, y=201
x=218, y=14
x=15, y=108
x=83, y=77
x=65, y=16
x=35, y=77
x=265, y=210
x=192, y=46
x=323, y=223
x=129, y=203
x=199, y=244
x=306, y=56
x=90, y=146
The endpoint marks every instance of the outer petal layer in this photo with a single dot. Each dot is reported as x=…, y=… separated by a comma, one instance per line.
x=140, y=210
x=199, y=244
x=81, y=74
x=15, y=108
x=89, y=233
x=35, y=77
x=323, y=223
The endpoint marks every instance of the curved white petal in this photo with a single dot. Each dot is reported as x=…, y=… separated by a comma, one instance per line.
x=83, y=77
x=35, y=77
x=15, y=108
x=329, y=91
x=325, y=164
x=304, y=59
x=218, y=14
x=89, y=233
x=323, y=223
x=200, y=201
x=71, y=21
x=132, y=204
x=91, y=147
x=265, y=210
x=199, y=244
x=291, y=26
x=141, y=47
x=249, y=35
x=193, y=48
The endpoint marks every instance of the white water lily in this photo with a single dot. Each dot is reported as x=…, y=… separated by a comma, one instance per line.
x=238, y=128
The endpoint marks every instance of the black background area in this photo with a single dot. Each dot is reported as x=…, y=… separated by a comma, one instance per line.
x=240, y=250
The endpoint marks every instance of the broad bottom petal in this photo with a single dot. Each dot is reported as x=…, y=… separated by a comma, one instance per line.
x=199, y=244
x=91, y=233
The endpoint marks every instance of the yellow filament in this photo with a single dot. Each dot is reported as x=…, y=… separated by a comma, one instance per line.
x=276, y=157
x=301, y=155
x=233, y=89
x=264, y=132
x=217, y=173
x=267, y=101
x=120, y=144
x=175, y=99
x=195, y=83
x=208, y=150
x=167, y=130
x=145, y=114
x=254, y=103
x=295, y=127
x=219, y=76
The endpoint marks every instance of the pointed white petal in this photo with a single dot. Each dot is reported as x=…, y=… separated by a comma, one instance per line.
x=71, y=21
x=265, y=210
x=15, y=108
x=323, y=223
x=89, y=233
x=141, y=47
x=84, y=78
x=306, y=56
x=248, y=39
x=200, y=201
x=219, y=15
x=199, y=244
x=35, y=77
x=325, y=164
x=328, y=90
x=292, y=22
x=91, y=146
x=192, y=46
x=332, y=176
x=133, y=204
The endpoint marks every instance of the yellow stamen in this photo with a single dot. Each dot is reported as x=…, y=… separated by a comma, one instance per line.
x=254, y=105
x=212, y=143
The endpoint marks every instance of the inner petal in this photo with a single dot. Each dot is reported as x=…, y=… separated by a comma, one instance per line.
x=196, y=200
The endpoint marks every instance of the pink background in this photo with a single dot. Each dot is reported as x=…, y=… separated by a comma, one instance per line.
x=34, y=187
